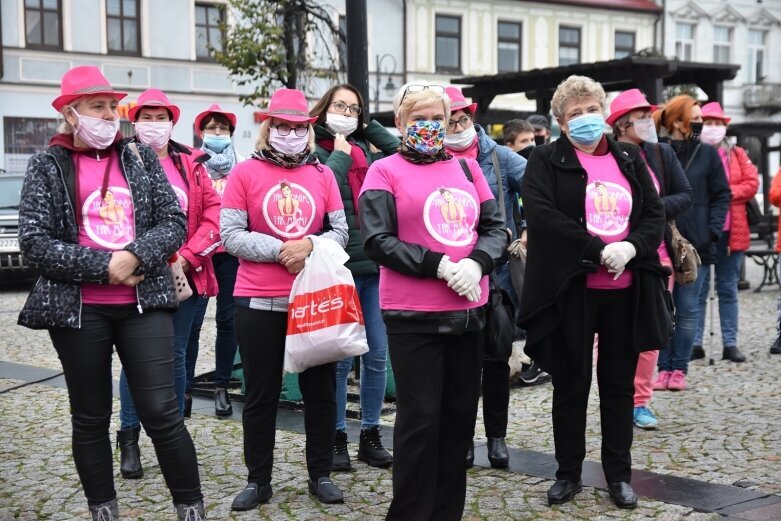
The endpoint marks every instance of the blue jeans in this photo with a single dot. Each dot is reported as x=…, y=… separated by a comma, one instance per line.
x=727, y=269
x=687, y=309
x=182, y=320
x=373, y=369
x=225, y=268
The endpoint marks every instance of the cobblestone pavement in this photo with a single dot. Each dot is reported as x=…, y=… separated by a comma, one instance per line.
x=725, y=430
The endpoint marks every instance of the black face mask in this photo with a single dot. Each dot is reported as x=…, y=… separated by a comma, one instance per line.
x=539, y=140
x=526, y=151
x=696, y=130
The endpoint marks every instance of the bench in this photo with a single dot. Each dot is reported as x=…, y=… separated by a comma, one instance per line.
x=768, y=259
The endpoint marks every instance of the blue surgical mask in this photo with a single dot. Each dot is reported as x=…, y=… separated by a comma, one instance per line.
x=216, y=143
x=586, y=129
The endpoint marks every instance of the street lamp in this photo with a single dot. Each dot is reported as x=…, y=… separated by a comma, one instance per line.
x=390, y=87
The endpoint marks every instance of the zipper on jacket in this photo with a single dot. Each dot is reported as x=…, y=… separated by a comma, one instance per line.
x=135, y=223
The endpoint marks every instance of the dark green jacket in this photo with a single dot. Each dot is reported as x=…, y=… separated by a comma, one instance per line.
x=340, y=163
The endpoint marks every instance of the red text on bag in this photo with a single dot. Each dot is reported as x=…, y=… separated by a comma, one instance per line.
x=324, y=308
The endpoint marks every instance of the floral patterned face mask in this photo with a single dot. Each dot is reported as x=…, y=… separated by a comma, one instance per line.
x=425, y=136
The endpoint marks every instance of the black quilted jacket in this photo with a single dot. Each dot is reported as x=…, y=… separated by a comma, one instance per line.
x=48, y=236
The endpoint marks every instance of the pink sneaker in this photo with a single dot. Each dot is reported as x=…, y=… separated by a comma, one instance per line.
x=677, y=381
x=662, y=380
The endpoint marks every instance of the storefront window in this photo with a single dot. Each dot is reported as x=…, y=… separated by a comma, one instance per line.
x=25, y=137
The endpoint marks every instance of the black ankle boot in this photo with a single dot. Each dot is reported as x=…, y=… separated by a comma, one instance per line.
x=775, y=349
x=733, y=354
x=370, y=449
x=341, y=458
x=498, y=455
x=222, y=403
x=188, y=405
x=129, y=455
x=107, y=511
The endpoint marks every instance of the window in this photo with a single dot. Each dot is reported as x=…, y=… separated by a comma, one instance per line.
x=756, y=55
x=122, y=26
x=722, y=44
x=509, y=47
x=569, y=45
x=207, y=29
x=684, y=41
x=42, y=24
x=25, y=137
x=625, y=44
x=448, y=44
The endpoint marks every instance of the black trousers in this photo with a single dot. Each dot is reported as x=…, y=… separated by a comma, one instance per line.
x=145, y=345
x=606, y=315
x=261, y=337
x=496, y=397
x=437, y=389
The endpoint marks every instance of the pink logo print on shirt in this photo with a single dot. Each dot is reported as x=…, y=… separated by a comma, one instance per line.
x=219, y=185
x=450, y=216
x=289, y=209
x=109, y=221
x=608, y=206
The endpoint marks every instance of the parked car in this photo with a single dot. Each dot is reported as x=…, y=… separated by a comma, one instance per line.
x=12, y=265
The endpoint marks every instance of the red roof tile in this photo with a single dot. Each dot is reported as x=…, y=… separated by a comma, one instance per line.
x=621, y=5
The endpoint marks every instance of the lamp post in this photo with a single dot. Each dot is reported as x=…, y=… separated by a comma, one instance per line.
x=390, y=87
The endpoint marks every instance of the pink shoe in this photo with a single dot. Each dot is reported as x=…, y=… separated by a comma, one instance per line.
x=662, y=380
x=677, y=381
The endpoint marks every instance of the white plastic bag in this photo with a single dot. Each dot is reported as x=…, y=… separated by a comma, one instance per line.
x=325, y=322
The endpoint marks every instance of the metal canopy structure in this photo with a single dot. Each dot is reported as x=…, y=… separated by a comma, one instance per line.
x=651, y=75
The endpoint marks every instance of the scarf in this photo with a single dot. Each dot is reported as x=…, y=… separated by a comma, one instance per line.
x=358, y=168
x=422, y=159
x=284, y=160
x=220, y=163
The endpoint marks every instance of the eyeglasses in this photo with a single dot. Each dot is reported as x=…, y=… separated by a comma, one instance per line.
x=217, y=128
x=439, y=89
x=343, y=107
x=284, y=130
x=464, y=121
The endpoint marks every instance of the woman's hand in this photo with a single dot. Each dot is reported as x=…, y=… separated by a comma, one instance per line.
x=122, y=266
x=185, y=263
x=133, y=280
x=293, y=253
x=341, y=144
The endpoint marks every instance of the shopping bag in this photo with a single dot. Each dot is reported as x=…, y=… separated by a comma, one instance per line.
x=181, y=285
x=325, y=322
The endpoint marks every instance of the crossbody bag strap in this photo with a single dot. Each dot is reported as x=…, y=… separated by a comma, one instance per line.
x=662, y=173
x=694, y=154
x=498, y=174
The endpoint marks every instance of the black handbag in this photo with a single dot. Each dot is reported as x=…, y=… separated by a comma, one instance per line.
x=499, y=324
x=753, y=213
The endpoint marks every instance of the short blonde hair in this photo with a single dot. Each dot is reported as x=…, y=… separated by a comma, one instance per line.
x=265, y=129
x=577, y=88
x=421, y=98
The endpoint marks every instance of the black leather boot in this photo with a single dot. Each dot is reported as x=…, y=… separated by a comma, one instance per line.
x=497, y=453
x=370, y=449
x=470, y=455
x=775, y=349
x=733, y=354
x=107, y=511
x=129, y=455
x=341, y=458
x=222, y=403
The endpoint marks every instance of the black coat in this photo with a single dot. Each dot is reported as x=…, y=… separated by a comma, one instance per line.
x=561, y=252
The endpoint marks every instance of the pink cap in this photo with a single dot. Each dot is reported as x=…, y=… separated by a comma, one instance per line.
x=85, y=80
x=627, y=101
x=153, y=98
x=290, y=105
x=214, y=109
x=458, y=101
x=713, y=110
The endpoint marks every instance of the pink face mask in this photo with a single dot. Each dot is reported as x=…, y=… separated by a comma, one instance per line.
x=290, y=144
x=154, y=133
x=713, y=134
x=96, y=133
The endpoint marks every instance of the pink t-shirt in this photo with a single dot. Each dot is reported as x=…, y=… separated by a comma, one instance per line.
x=285, y=204
x=106, y=223
x=608, y=206
x=436, y=207
x=725, y=161
x=177, y=181
x=470, y=152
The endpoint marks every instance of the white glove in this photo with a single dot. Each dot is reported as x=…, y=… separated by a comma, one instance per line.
x=618, y=272
x=617, y=254
x=466, y=276
x=474, y=295
x=446, y=268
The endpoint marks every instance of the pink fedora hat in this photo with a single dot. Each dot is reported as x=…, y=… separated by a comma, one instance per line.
x=153, y=98
x=627, y=101
x=288, y=104
x=83, y=81
x=713, y=110
x=214, y=109
x=458, y=101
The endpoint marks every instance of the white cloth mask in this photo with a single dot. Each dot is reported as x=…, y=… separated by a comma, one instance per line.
x=290, y=144
x=96, y=133
x=462, y=140
x=339, y=124
x=713, y=134
x=646, y=130
x=154, y=133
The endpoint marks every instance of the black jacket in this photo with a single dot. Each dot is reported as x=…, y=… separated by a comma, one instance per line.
x=48, y=236
x=561, y=252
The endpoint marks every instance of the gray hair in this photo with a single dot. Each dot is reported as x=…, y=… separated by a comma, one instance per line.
x=577, y=88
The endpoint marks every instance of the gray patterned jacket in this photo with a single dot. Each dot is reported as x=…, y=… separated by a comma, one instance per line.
x=48, y=236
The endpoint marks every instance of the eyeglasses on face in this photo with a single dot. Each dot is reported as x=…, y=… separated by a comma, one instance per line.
x=284, y=130
x=439, y=89
x=216, y=128
x=464, y=121
x=343, y=107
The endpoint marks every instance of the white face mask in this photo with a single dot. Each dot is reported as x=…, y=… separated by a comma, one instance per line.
x=462, y=140
x=154, y=133
x=646, y=130
x=290, y=144
x=339, y=124
x=96, y=133
x=713, y=134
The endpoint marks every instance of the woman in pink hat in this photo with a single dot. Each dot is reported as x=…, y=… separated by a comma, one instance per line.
x=272, y=242
x=216, y=128
x=630, y=117
x=348, y=145
x=105, y=283
x=735, y=238
x=433, y=289
x=154, y=118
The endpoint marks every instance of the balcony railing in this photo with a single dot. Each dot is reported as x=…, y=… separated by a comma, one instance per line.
x=762, y=96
